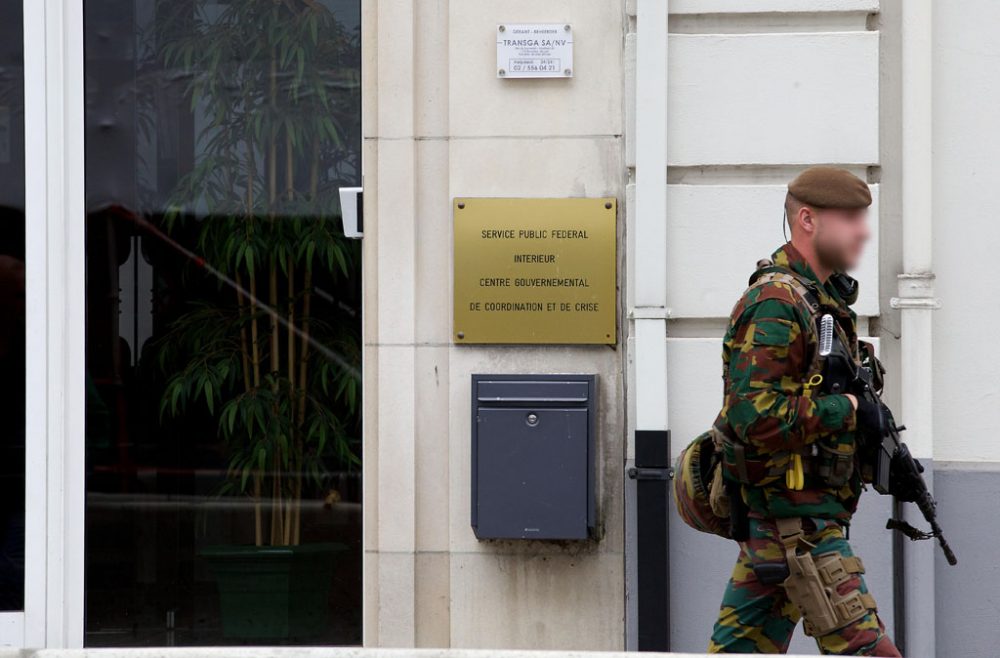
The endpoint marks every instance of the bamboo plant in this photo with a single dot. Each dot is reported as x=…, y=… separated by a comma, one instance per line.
x=275, y=85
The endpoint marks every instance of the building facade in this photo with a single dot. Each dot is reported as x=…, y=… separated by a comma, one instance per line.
x=691, y=115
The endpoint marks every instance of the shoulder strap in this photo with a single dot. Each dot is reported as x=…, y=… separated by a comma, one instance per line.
x=768, y=272
x=778, y=273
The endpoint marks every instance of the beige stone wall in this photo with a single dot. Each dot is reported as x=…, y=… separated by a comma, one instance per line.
x=439, y=124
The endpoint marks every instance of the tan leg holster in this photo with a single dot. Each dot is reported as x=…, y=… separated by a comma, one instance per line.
x=812, y=583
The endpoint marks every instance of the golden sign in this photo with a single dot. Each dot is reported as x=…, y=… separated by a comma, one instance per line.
x=535, y=270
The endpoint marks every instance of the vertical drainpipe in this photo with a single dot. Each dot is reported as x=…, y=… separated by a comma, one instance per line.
x=915, y=302
x=649, y=317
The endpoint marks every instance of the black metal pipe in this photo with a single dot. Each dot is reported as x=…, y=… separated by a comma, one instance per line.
x=652, y=474
x=898, y=582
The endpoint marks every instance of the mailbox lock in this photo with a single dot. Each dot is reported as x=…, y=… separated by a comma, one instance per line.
x=532, y=419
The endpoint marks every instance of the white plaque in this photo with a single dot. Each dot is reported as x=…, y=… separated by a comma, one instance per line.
x=535, y=50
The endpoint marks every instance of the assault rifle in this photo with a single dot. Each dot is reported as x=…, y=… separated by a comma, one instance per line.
x=885, y=460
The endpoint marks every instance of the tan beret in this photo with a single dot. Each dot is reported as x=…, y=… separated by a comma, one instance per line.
x=830, y=187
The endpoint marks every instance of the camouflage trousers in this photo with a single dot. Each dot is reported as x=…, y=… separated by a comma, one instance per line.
x=758, y=618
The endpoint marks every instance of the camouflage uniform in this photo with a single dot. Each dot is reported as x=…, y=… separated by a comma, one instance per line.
x=766, y=353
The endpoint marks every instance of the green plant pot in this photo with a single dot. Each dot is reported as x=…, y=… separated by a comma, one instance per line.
x=273, y=591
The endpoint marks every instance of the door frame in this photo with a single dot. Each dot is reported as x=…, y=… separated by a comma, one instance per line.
x=55, y=285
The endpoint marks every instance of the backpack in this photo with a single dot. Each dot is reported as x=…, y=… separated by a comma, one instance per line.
x=698, y=489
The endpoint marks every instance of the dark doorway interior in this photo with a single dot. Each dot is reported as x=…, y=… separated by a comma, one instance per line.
x=12, y=348
x=223, y=426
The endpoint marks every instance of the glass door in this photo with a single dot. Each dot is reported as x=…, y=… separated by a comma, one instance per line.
x=25, y=476
x=13, y=463
x=223, y=323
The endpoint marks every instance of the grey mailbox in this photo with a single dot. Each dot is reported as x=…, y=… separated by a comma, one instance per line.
x=533, y=456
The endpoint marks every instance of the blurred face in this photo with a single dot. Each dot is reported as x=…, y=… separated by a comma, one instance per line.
x=839, y=236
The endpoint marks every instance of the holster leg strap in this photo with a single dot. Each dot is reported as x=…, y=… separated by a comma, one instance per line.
x=812, y=583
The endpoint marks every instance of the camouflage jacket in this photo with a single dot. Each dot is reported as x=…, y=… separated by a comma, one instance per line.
x=766, y=353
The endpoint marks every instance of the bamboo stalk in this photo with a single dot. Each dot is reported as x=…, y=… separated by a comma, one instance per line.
x=251, y=170
x=277, y=511
x=314, y=172
x=289, y=168
x=275, y=504
x=272, y=172
x=297, y=514
x=307, y=293
x=304, y=350
x=288, y=520
x=257, y=515
x=244, y=344
x=255, y=357
x=291, y=536
x=254, y=333
x=275, y=352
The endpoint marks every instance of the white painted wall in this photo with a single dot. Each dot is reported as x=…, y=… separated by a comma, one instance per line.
x=763, y=6
x=746, y=113
x=966, y=231
x=756, y=92
x=716, y=235
x=776, y=98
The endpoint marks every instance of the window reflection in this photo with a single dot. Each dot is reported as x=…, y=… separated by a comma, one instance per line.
x=223, y=323
x=12, y=352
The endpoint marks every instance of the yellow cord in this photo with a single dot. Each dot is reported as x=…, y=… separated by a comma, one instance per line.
x=795, y=477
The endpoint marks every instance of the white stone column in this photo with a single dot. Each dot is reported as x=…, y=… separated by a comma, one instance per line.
x=440, y=124
x=389, y=491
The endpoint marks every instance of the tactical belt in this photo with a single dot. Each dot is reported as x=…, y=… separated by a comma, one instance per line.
x=812, y=583
x=836, y=471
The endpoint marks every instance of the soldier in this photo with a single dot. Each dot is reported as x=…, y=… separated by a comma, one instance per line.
x=788, y=449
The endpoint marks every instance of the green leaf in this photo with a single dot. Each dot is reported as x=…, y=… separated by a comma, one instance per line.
x=283, y=260
x=322, y=439
x=209, y=398
x=283, y=446
x=175, y=396
x=233, y=407
x=352, y=393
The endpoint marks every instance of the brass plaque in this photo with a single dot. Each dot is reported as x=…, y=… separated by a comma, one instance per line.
x=535, y=270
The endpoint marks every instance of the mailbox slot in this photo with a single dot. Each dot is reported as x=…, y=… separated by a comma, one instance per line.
x=533, y=456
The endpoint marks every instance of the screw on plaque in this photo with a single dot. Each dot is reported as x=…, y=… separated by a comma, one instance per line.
x=461, y=205
x=567, y=72
x=607, y=205
x=566, y=27
x=461, y=334
x=531, y=419
x=501, y=73
x=501, y=28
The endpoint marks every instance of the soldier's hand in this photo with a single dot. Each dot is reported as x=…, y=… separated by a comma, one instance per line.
x=868, y=415
x=853, y=399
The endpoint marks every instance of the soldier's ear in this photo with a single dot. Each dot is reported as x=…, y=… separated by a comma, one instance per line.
x=808, y=218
